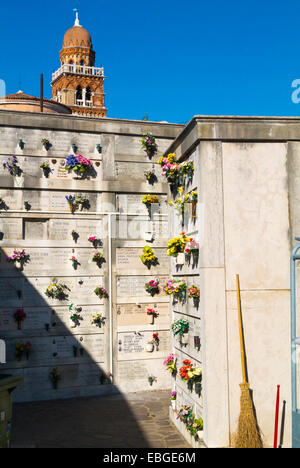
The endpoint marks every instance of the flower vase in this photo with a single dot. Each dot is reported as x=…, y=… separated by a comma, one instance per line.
x=180, y=259
x=173, y=404
x=19, y=325
x=184, y=338
x=150, y=347
x=151, y=319
x=71, y=207
x=193, y=209
x=198, y=388
x=18, y=264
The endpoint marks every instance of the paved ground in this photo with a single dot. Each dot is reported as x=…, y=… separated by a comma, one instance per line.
x=139, y=421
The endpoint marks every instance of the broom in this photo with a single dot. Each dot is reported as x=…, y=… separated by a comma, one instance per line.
x=247, y=435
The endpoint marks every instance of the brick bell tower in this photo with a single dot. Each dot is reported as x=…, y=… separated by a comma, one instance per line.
x=78, y=83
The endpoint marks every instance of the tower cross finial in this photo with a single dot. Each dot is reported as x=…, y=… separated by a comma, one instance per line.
x=77, y=18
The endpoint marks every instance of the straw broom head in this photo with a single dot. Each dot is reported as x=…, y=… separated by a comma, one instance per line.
x=247, y=435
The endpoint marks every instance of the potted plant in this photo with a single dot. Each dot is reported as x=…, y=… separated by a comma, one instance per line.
x=152, y=287
x=148, y=257
x=71, y=201
x=173, y=399
x=170, y=364
x=101, y=292
x=151, y=314
x=98, y=320
x=19, y=350
x=46, y=168
x=149, y=145
x=55, y=376
x=18, y=258
x=12, y=166
x=79, y=165
x=19, y=317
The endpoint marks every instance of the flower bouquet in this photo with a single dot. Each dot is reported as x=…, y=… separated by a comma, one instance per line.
x=154, y=342
x=187, y=169
x=148, y=257
x=46, y=143
x=98, y=320
x=150, y=200
x=94, y=240
x=76, y=319
x=75, y=235
x=19, y=350
x=152, y=314
x=173, y=397
x=71, y=201
x=194, y=293
x=46, y=168
x=170, y=169
x=194, y=425
x=177, y=244
x=177, y=288
x=81, y=201
x=75, y=262
x=55, y=376
x=148, y=144
x=78, y=164
x=170, y=364
x=56, y=291
x=179, y=327
x=150, y=176
x=12, y=166
x=152, y=287
x=101, y=292
x=19, y=317
x=98, y=258
x=19, y=257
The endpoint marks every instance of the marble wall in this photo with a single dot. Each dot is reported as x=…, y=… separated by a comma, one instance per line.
x=35, y=216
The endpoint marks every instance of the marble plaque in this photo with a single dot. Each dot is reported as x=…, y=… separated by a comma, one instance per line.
x=135, y=286
x=11, y=228
x=134, y=314
x=129, y=258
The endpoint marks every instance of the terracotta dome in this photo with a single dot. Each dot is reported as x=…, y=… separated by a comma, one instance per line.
x=77, y=36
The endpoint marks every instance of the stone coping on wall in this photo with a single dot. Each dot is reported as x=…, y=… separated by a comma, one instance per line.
x=86, y=124
x=234, y=128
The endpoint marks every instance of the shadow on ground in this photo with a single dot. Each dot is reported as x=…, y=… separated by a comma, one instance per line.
x=140, y=420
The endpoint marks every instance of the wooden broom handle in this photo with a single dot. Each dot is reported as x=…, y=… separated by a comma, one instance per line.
x=241, y=329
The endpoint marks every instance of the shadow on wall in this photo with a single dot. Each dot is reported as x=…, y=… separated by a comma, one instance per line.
x=60, y=358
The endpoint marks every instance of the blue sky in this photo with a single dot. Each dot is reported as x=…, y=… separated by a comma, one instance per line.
x=167, y=59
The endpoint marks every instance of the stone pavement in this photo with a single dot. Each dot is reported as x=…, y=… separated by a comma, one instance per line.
x=140, y=420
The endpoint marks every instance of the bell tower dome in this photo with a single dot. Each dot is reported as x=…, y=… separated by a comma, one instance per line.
x=78, y=83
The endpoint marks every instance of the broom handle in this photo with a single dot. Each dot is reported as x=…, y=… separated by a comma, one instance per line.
x=241, y=329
